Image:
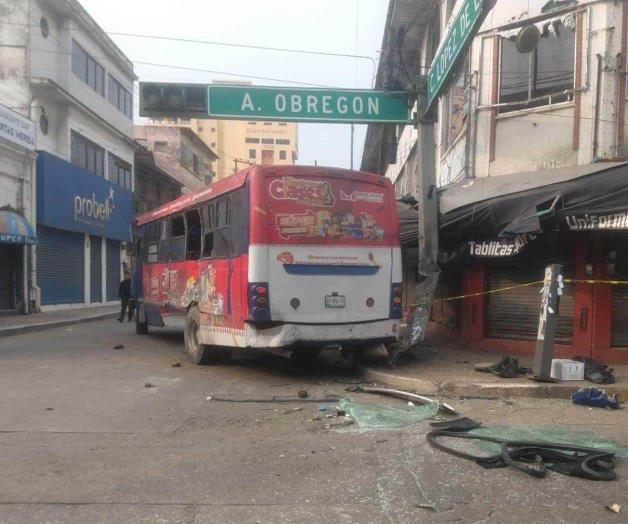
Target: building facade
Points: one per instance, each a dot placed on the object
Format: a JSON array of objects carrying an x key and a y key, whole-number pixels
[
  {"x": 530, "y": 157},
  {"x": 17, "y": 209},
  {"x": 181, "y": 152},
  {"x": 155, "y": 182},
  {"x": 68, "y": 76},
  {"x": 242, "y": 143}
]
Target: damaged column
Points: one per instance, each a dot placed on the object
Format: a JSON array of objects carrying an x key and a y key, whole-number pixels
[{"x": 428, "y": 220}]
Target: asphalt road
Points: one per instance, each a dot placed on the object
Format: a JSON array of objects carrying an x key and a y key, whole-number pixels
[{"x": 83, "y": 440}]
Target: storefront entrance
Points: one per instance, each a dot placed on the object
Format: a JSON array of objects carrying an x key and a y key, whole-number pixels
[{"x": 9, "y": 256}]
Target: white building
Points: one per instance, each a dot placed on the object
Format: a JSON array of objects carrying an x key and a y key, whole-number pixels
[{"x": 61, "y": 70}]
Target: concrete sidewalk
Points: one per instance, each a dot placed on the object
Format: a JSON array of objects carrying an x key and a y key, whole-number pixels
[
  {"x": 15, "y": 324},
  {"x": 448, "y": 371}
]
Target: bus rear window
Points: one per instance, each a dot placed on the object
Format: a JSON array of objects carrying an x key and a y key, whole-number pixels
[{"x": 323, "y": 210}]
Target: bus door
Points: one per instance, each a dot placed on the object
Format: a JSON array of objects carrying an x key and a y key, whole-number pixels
[{"x": 224, "y": 271}]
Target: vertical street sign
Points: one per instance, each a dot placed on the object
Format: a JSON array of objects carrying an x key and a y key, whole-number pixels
[
  {"x": 307, "y": 104},
  {"x": 452, "y": 45}
]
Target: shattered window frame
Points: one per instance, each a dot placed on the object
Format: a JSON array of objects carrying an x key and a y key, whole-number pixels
[{"x": 544, "y": 85}]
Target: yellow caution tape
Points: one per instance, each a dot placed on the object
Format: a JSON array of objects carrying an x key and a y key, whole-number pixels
[
  {"x": 527, "y": 284},
  {"x": 609, "y": 282}
]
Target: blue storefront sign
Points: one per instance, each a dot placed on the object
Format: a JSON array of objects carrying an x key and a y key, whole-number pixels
[{"x": 73, "y": 199}]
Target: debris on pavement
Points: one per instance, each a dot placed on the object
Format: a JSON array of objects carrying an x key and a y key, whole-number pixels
[
  {"x": 176, "y": 364},
  {"x": 149, "y": 385},
  {"x": 459, "y": 424},
  {"x": 562, "y": 435},
  {"x": 303, "y": 393},
  {"x": 50, "y": 409},
  {"x": 119, "y": 346},
  {"x": 615, "y": 508},
  {"x": 291, "y": 410},
  {"x": 376, "y": 416},
  {"x": 272, "y": 400},
  {"x": 594, "y": 397},
  {"x": 596, "y": 371},
  {"x": 508, "y": 367},
  {"x": 405, "y": 396},
  {"x": 533, "y": 458}
]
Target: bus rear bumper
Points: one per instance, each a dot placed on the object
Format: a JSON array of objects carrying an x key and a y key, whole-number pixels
[{"x": 287, "y": 335}]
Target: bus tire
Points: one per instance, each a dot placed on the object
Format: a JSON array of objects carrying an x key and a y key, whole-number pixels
[
  {"x": 141, "y": 328},
  {"x": 201, "y": 354}
]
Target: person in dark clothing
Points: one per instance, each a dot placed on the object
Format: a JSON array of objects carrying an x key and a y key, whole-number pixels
[{"x": 126, "y": 298}]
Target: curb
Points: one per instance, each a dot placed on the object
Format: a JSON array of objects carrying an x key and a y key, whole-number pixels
[
  {"x": 16, "y": 330},
  {"x": 499, "y": 390}
]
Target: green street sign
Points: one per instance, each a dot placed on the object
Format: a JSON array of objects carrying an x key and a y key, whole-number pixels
[
  {"x": 452, "y": 46},
  {"x": 342, "y": 106}
]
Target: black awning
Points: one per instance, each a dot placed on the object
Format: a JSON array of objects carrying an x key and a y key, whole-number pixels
[{"x": 594, "y": 197}]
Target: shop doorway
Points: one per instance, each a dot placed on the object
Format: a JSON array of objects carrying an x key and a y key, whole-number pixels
[{"x": 8, "y": 275}]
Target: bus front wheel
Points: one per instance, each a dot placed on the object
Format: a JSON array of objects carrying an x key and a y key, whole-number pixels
[{"x": 200, "y": 353}]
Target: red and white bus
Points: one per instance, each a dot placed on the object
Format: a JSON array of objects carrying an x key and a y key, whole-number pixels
[{"x": 282, "y": 258}]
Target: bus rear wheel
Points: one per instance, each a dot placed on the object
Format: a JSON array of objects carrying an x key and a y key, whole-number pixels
[{"x": 198, "y": 353}]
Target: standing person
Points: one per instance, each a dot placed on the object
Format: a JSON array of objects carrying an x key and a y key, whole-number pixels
[{"x": 126, "y": 298}]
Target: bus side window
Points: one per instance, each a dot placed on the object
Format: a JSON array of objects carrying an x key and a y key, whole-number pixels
[
  {"x": 161, "y": 238},
  {"x": 176, "y": 240},
  {"x": 208, "y": 233},
  {"x": 222, "y": 240},
  {"x": 193, "y": 235},
  {"x": 237, "y": 223}
]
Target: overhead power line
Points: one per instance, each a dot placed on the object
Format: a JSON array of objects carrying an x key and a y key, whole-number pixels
[
  {"x": 245, "y": 46},
  {"x": 199, "y": 70}
]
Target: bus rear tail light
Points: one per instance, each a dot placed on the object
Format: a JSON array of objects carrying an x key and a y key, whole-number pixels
[
  {"x": 259, "y": 302},
  {"x": 395, "y": 301}
]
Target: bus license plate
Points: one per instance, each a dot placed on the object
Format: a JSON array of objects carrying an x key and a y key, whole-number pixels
[{"x": 335, "y": 301}]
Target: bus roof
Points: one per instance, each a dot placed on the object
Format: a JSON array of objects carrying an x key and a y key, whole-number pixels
[
  {"x": 191, "y": 199},
  {"x": 236, "y": 181}
]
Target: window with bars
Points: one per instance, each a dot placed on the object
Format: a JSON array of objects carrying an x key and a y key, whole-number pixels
[{"x": 542, "y": 77}]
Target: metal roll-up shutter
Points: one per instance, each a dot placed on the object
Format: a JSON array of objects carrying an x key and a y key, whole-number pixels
[
  {"x": 619, "y": 316},
  {"x": 95, "y": 276},
  {"x": 113, "y": 269},
  {"x": 514, "y": 314},
  {"x": 60, "y": 266}
]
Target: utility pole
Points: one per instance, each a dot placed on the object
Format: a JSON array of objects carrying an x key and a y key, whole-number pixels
[{"x": 427, "y": 199}]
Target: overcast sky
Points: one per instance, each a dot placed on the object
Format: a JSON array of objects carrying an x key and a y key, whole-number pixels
[{"x": 320, "y": 25}]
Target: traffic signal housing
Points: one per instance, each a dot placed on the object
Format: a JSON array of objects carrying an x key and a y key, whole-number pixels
[{"x": 173, "y": 100}]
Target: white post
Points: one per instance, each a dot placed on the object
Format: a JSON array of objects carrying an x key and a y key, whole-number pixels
[
  {"x": 103, "y": 268},
  {"x": 87, "y": 265}
]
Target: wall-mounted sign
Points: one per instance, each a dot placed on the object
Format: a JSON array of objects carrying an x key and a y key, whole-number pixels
[
  {"x": 307, "y": 104},
  {"x": 452, "y": 45},
  {"x": 591, "y": 221},
  {"x": 73, "y": 199},
  {"x": 505, "y": 247},
  {"x": 17, "y": 129}
]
